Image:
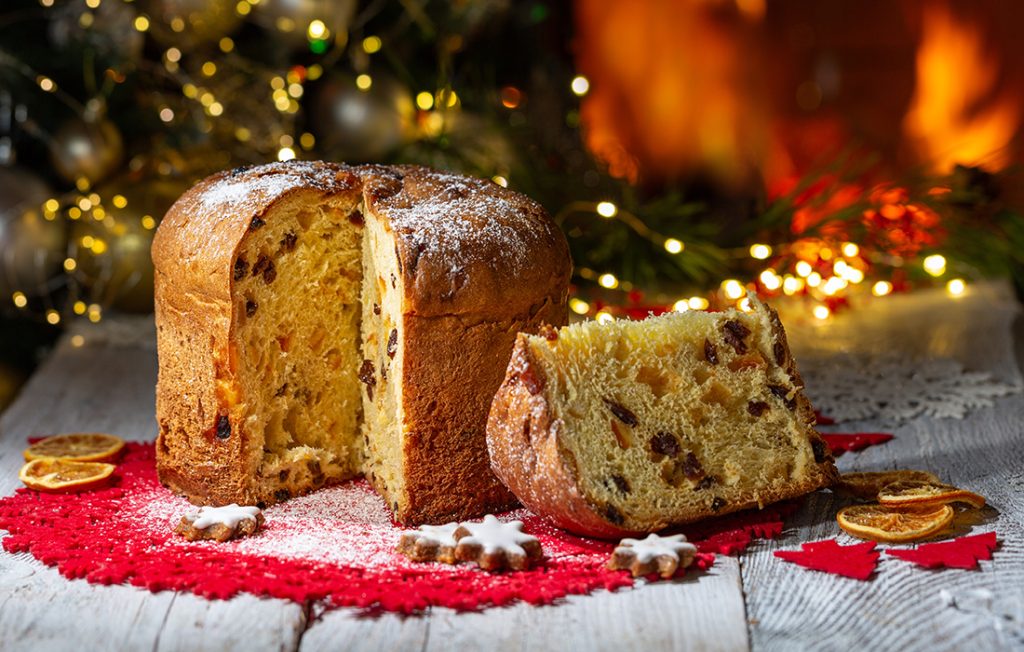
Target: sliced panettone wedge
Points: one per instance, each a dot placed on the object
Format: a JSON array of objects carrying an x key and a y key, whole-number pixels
[{"x": 634, "y": 426}]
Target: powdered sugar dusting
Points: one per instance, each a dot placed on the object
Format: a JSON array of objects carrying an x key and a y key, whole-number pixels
[
  {"x": 244, "y": 189},
  {"x": 461, "y": 218}
]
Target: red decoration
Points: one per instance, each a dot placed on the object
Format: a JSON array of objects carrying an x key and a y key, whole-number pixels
[
  {"x": 963, "y": 552},
  {"x": 853, "y": 441},
  {"x": 336, "y": 545},
  {"x": 823, "y": 420},
  {"x": 857, "y": 561}
]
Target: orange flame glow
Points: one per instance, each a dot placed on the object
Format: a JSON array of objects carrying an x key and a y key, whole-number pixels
[{"x": 957, "y": 114}]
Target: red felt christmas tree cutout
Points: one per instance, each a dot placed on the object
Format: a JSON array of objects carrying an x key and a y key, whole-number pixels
[
  {"x": 842, "y": 442},
  {"x": 857, "y": 561},
  {"x": 963, "y": 552}
]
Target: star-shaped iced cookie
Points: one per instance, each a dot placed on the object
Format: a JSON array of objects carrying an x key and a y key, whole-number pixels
[
  {"x": 430, "y": 543},
  {"x": 494, "y": 545},
  {"x": 655, "y": 554},
  {"x": 220, "y": 523}
]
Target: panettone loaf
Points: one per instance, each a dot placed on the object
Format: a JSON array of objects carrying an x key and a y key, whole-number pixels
[
  {"x": 316, "y": 320},
  {"x": 628, "y": 427}
]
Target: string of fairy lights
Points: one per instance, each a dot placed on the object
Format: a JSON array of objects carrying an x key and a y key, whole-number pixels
[{"x": 819, "y": 274}]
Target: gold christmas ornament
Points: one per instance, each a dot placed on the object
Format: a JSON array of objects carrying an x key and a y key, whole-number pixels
[
  {"x": 363, "y": 118},
  {"x": 301, "y": 22},
  {"x": 32, "y": 247},
  {"x": 89, "y": 149},
  {"x": 113, "y": 265},
  {"x": 191, "y": 22}
]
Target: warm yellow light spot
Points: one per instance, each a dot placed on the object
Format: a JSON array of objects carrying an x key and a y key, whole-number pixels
[
  {"x": 173, "y": 54},
  {"x": 189, "y": 90},
  {"x": 881, "y": 288},
  {"x": 313, "y": 72},
  {"x": 760, "y": 251},
  {"x": 295, "y": 90},
  {"x": 607, "y": 209},
  {"x": 956, "y": 286},
  {"x": 226, "y": 44},
  {"x": 363, "y": 82},
  {"x": 79, "y": 307},
  {"x": 840, "y": 268},
  {"x": 425, "y": 100},
  {"x": 95, "y": 314},
  {"x": 770, "y": 280},
  {"x": 500, "y": 180},
  {"x": 822, "y": 312},
  {"x": 935, "y": 264},
  {"x": 733, "y": 288},
  {"x": 84, "y": 203},
  {"x": 70, "y": 264},
  {"x": 209, "y": 69},
  {"x": 580, "y": 85},
  {"x": 579, "y": 306},
  {"x": 82, "y": 183},
  {"x": 19, "y": 299},
  {"x": 77, "y": 341},
  {"x": 242, "y": 134},
  {"x": 52, "y": 317},
  {"x": 98, "y": 213},
  {"x": 371, "y": 44},
  {"x": 166, "y": 114},
  {"x": 47, "y": 84},
  {"x": 286, "y": 140},
  {"x": 285, "y": 154},
  {"x": 674, "y": 246},
  {"x": 98, "y": 247},
  {"x": 825, "y": 253},
  {"x": 791, "y": 285},
  {"x": 92, "y": 4},
  {"x": 854, "y": 275},
  {"x": 833, "y": 285},
  {"x": 277, "y": 83},
  {"x": 604, "y": 317},
  {"x": 74, "y": 212},
  {"x": 850, "y": 249},
  {"x": 215, "y": 109},
  {"x": 86, "y": 19},
  {"x": 316, "y": 30},
  {"x": 803, "y": 268},
  {"x": 141, "y": 23},
  {"x": 681, "y": 306},
  {"x": 814, "y": 279},
  {"x": 608, "y": 281},
  {"x": 46, "y": 3},
  {"x": 51, "y": 205},
  {"x": 207, "y": 98},
  {"x": 243, "y": 8},
  {"x": 148, "y": 222},
  {"x": 698, "y": 303},
  {"x": 745, "y": 305},
  {"x": 178, "y": 24}
]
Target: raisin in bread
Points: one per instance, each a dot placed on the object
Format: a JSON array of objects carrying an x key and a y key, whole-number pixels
[
  {"x": 317, "y": 321},
  {"x": 628, "y": 427}
]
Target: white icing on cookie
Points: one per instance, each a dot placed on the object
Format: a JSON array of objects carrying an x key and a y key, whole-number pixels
[
  {"x": 496, "y": 536},
  {"x": 229, "y": 515},
  {"x": 654, "y": 546},
  {"x": 442, "y": 535}
]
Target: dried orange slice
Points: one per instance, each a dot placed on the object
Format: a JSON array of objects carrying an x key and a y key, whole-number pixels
[
  {"x": 58, "y": 476},
  {"x": 894, "y": 525},
  {"x": 917, "y": 493},
  {"x": 867, "y": 484},
  {"x": 80, "y": 447}
]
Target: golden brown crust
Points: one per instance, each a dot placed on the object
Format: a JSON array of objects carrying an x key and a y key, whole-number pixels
[
  {"x": 451, "y": 371},
  {"x": 467, "y": 246},
  {"x": 197, "y": 392},
  {"x": 523, "y": 441}
]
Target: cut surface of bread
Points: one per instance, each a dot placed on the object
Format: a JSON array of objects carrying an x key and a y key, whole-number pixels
[
  {"x": 316, "y": 321},
  {"x": 633, "y": 426}
]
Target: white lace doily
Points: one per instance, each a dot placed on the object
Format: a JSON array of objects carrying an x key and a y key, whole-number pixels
[{"x": 894, "y": 388}]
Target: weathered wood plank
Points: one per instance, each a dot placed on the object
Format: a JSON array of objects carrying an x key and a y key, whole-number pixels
[{"x": 901, "y": 608}]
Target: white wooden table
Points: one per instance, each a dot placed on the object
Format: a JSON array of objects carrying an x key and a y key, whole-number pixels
[{"x": 751, "y": 601}]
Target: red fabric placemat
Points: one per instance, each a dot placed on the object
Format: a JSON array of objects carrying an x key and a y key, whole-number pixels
[{"x": 335, "y": 545}]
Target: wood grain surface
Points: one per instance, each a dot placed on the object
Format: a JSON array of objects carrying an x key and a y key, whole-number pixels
[{"x": 753, "y": 601}]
